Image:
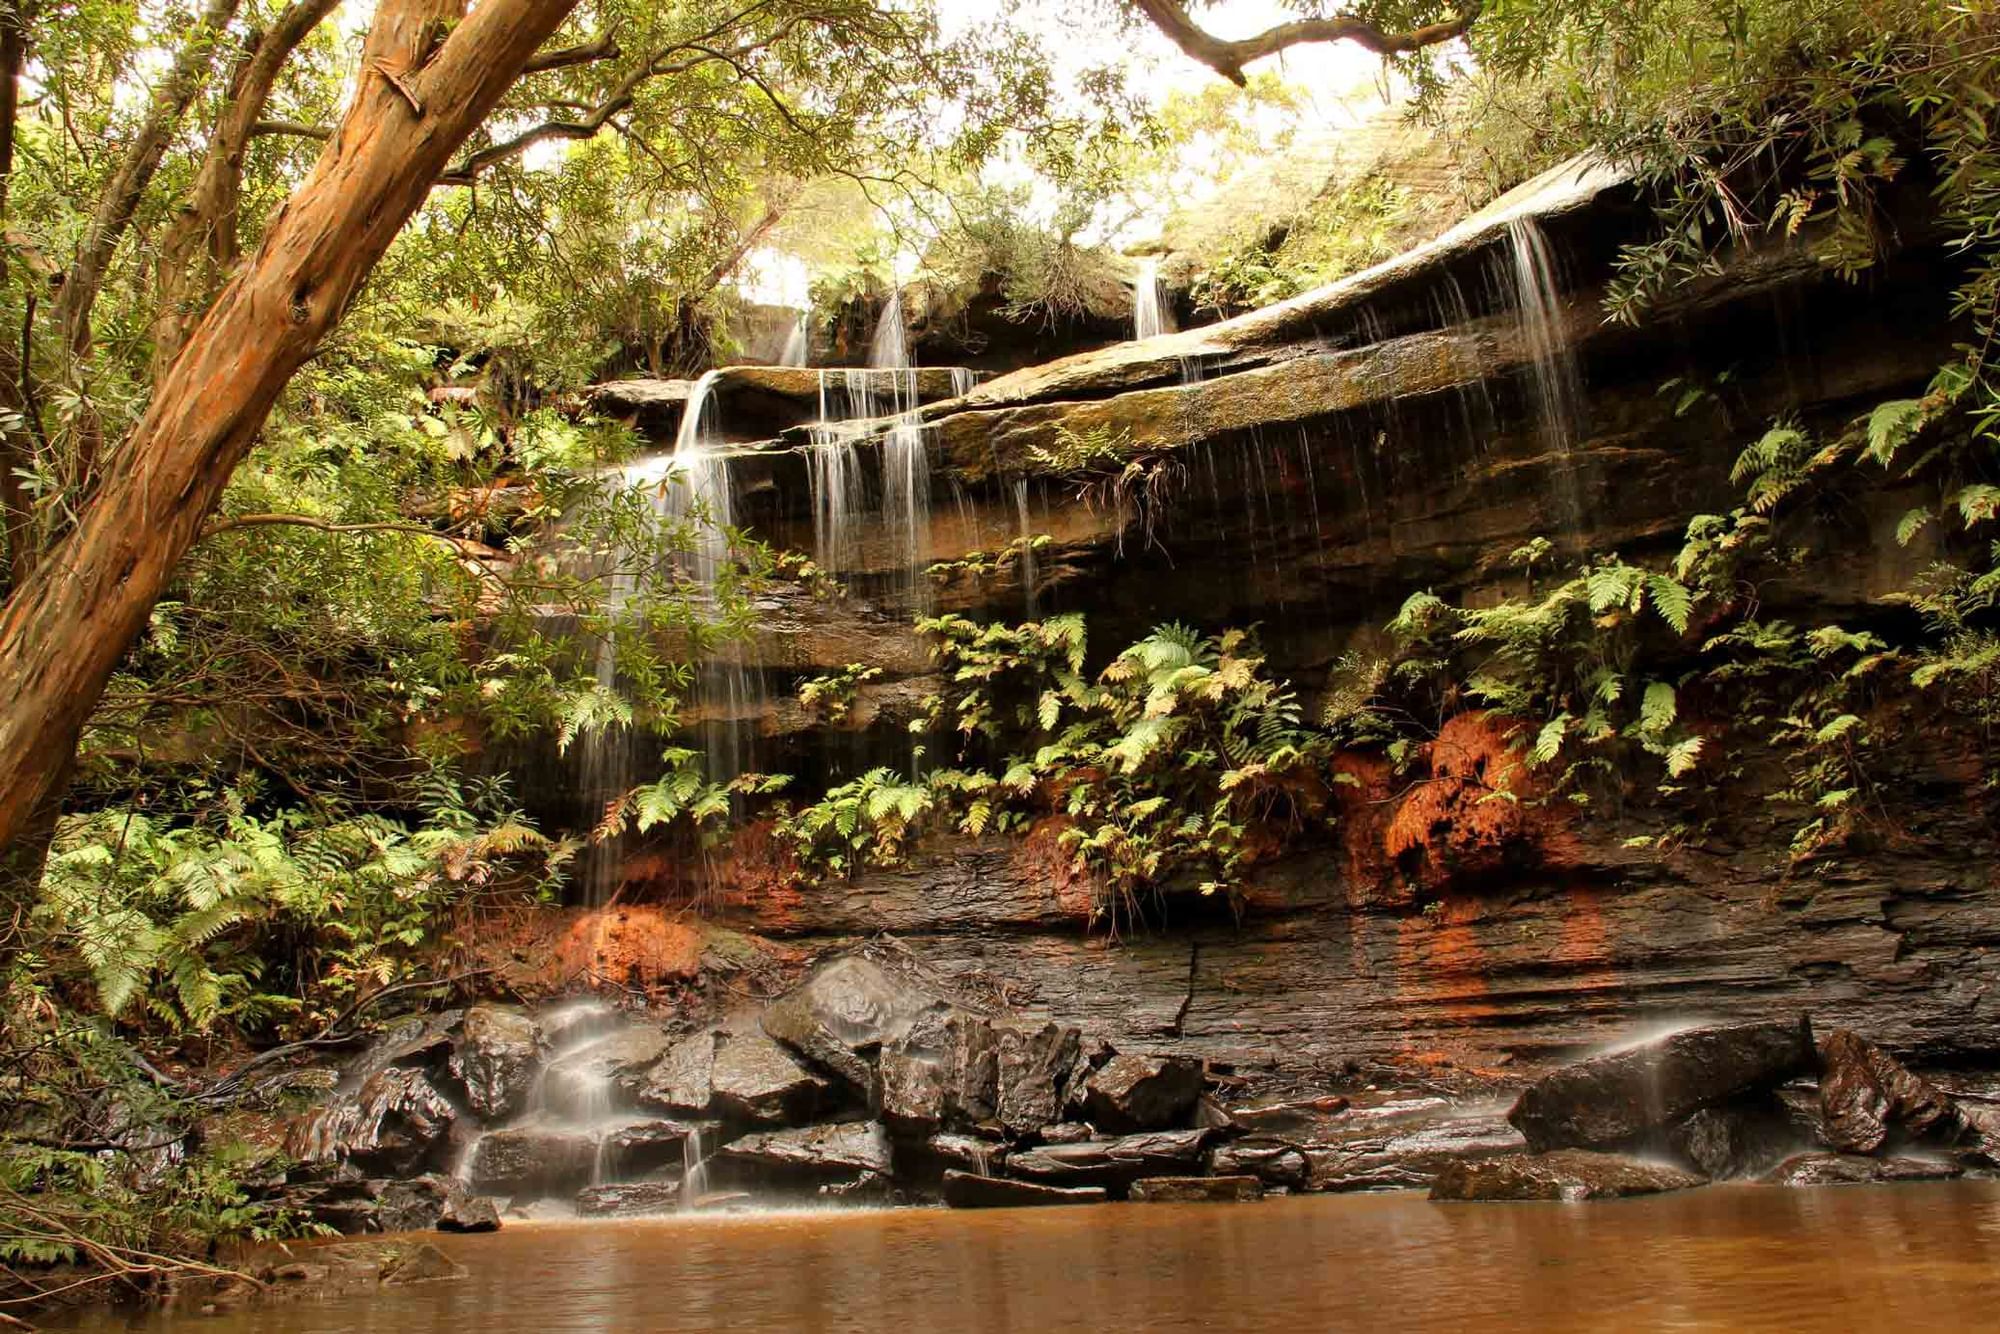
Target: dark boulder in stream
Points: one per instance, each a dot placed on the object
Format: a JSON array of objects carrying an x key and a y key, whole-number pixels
[
  {"x": 520, "y": 1159},
  {"x": 1142, "y": 1092},
  {"x": 1853, "y": 1169},
  {"x": 1565, "y": 1174},
  {"x": 1743, "y": 1137},
  {"x": 496, "y": 1057},
  {"x": 966, "y": 1190},
  {"x": 1112, "y": 1162},
  {"x": 844, "y": 1150},
  {"x": 1619, "y": 1098},
  {"x": 1870, "y": 1101},
  {"x": 846, "y": 1012},
  {"x": 1196, "y": 1190}
]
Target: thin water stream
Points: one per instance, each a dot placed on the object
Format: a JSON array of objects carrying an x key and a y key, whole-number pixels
[{"x": 1725, "y": 1258}]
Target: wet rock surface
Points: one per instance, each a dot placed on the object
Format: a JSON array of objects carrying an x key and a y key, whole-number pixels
[
  {"x": 628, "y": 1197},
  {"x": 1851, "y": 1169},
  {"x": 495, "y": 1059},
  {"x": 1563, "y": 1174},
  {"x": 964, "y": 1190},
  {"x": 1870, "y": 1101},
  {"x": 837, "y": 1150},
  {"x": 464, "y": 1212},
  {"x": 846, "y": 1012},
  {"x": 1743, "y": 1137},
  {"x": 1617, "y": 1098},
  {"x": 1197, "y": 1190},
  {"x": 1111, "y": 1162},
  {"x": 397, "y": 1121},
  {"x": 1141, "y": 1092},
  {"x": 524, "y": 1159}
]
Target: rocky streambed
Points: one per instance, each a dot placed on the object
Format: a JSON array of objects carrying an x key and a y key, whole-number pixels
[{"x": 874, "y": 1081}]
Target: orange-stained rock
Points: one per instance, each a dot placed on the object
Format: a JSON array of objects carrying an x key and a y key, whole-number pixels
[{"x": 629, "y": 946}]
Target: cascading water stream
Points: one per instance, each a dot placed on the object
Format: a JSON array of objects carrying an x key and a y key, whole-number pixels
[
  {"x": 906, "y": 465},
  {"x": 1151, "y": 316},
  {"x": 798, "y": 345},
  {"x": 1554, "y": 375}
]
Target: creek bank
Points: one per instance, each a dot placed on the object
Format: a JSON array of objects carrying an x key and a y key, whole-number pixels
[{"x": 873, "y": 1080}]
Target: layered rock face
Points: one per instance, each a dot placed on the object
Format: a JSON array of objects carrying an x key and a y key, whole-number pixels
[{"x": 1330, "y": 456}]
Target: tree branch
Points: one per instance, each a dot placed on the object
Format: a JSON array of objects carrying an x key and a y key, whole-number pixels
[
  {"x": 119, "y": 201},
  {"x": 1228, "y": 58},
  {"x": 604, "y": 47},
  {"x": 207, "y": 225},
  {"x": 465, "y": 546},
  {"x": 291, "y": 127}
]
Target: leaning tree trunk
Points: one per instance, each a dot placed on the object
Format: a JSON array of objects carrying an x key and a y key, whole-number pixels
[{"x": 424, "y": 85}]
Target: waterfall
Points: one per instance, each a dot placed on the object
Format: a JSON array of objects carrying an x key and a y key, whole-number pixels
[
  {"x": 694, "y": 1168},
  {"x": 798, "y": 345},
  {"x": 706, "y": 499},
  {"x": 906, "y": 465},
  {"x": 1556, "y": 379},
  {"x": 1030, "y": 575},
  {"x": 1151, "y": 316},
  {"x": 833, "y": 475},
  {"x": 1538, "y": 301}
]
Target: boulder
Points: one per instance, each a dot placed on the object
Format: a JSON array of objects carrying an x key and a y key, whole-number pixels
[
  {"x": 654, "y": 406},
  {"x": 1850, "y": 1169},
  {"x": 843, "y": 1150},
  {"x": 628, "y": 1197},
  {"x": 1275, "y": 1162},
  {"x": 396, "y": 1123},
  {"x": 943, "y": 1073},
  {"x": 1742, "y": 1137},
  {"x": 965, "y": 1190},
  {"x": 1142, "y": 1092},
  {"x": 1621, "y": 1097},
  {"x": 841, "y": 1016},
  {"x": 1032, "y": 1067},
  {"x": 1564, "y": 1174},
  {"x": 757, "y": 1081},
  {"x": 464, "y": 1212},
  {"x": 1196, "y": 1190},
  {"x": 912, "y": 1093},
  {"x": 1112, "y": 1162},
  {"x": 496, "y": 1056},
  {"x": 745, "y": 1078},
  {"x": 1869, "y": 1101},
  {"x": 352, "y": 1204},
  {"x": 682, "y": 1081},
  {"x": 523, "y": 1160},
  {"x": 421, "y": 1263},
  {"x": 638, "y": 1147}
]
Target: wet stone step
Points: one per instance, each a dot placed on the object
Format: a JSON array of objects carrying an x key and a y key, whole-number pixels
[{"x": 966, "y": 1190}]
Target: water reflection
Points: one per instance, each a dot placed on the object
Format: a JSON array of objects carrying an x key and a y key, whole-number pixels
[{"x": 1742, "y": 1258}]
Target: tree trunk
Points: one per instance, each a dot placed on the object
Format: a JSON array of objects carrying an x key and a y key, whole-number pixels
[{"x": 419, "y": 94}]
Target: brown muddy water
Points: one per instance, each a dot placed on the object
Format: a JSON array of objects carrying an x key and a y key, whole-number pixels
[{"x": 1916, "y": 1257}]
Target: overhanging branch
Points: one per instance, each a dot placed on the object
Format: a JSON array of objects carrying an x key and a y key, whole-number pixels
[{"x": 1228, "y": 58}]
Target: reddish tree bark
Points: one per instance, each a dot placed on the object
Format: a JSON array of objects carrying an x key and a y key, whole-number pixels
[{"x": 430, "y": 74}]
